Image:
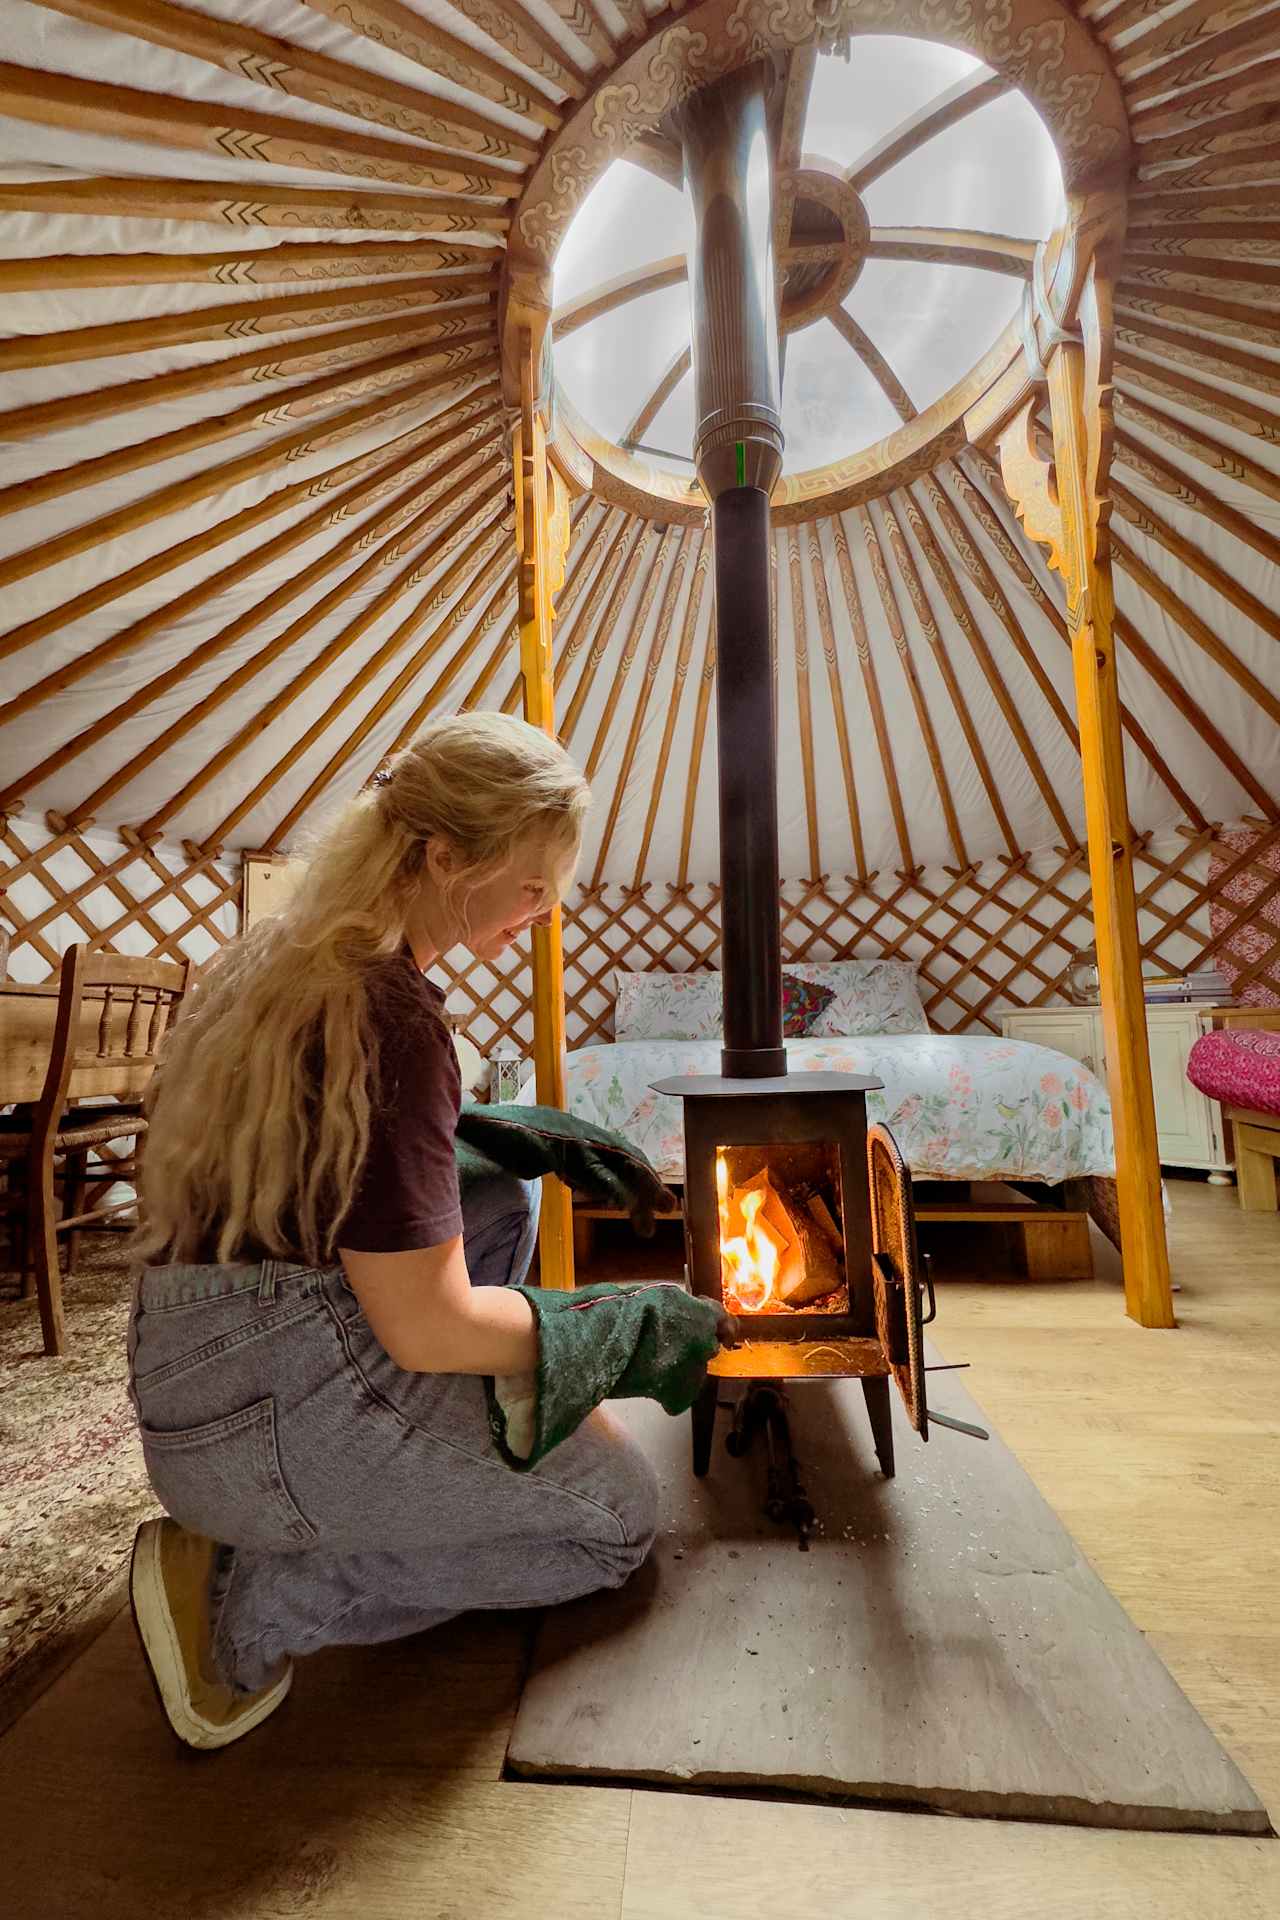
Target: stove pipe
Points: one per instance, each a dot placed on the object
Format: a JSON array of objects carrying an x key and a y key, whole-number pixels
[{"x": 737, "y": 446}]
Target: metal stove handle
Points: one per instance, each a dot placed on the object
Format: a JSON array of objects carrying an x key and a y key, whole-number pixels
[
  {"x": 957, "y": 1426},
  {"x": 926, "y": 1261}
]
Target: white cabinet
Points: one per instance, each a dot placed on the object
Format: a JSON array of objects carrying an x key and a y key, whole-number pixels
[
  {"x": 1075, "y": 1031},
  {"x": 1189, "y": 1126}
]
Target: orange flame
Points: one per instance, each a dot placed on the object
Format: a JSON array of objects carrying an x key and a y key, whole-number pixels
[{"x": 749, "y": 1260}]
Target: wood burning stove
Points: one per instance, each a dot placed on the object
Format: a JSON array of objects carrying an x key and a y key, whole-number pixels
[
  {"x": 798, "y": 1219},
  {"x": 794, "y": 1217}
]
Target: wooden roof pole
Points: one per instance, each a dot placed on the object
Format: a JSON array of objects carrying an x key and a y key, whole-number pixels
[
  {"x": 340, "y": 760},
  {"x": 871, "y": 686},
  {"x": 338, "y": 370},
  {"x": 129, "y": 113},
  {"x": 586, "y": 623},
  {"x": 542, "y": 541},
  {"x": 818, "y": 574},
  {"x": 476, "y": 495},
  {"x": 902, "y": 646},
  {"x": 1196, "y": 629},
  {"x": 476, "y": 551},
  {"x": 202, "y": 433},
  {"x": 285, "y": 67},
  {"x": 657, "y": 647},
  {"x": 705, "y": 684},
  {"x": 604, "y": 631},
  {"x": 224, "y": 203},
  {"x": 390, "y": 22},
  {"x": 1145, "y": 518},
  {"x": 499, "y": 607},
  {"x": 1071, "y": 519},
  {"x": 804, "y": 704},
  {"x": 701, "y": 568},
  {"x": 575, "y": 579},
  {"x": 1171, "y": 480},
  {"x": 508, "y": 638},
  {"x": 167, "y": 559},
  {"x": 171, "y": 499},
  {"x": 626, "y": 659},
  {"x": 302, "y": 261},
  {"x": 1201, "y": 446},
  {"x": 1016, "y": 560},
  {"x": 457, "y": 293},
  {"x": 928, "y": 626},
  {"x": 128, "y": 639},
  {"x": 1241, "y": 411}
]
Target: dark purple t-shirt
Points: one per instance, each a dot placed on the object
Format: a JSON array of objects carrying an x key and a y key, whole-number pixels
[{"x": 407, "y": 1195}]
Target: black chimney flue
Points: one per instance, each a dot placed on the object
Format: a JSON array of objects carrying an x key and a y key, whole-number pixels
[
  {"x": 737, "y": 445},
  {"x": 748, "y": 753}
]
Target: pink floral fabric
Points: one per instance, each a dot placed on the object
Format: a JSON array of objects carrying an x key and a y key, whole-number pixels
[
  {"x": 1246, "y": 945},
  {"x": 1241, "y": 1068}
]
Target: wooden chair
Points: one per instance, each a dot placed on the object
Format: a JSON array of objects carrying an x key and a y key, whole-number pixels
[{"x": 113, "y": 1014}]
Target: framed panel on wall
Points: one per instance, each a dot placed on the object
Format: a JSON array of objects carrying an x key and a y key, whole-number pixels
[{"x": 268, "y": 882}]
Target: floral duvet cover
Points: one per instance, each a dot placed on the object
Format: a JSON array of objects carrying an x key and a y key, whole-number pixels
[{"x": 961, "y": 1106}]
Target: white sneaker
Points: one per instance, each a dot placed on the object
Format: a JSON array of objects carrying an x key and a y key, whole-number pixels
[{"x": 169, "y": 1578}]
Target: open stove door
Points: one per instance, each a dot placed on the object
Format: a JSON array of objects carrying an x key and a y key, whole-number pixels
[{"x": 896, "y": 1273}]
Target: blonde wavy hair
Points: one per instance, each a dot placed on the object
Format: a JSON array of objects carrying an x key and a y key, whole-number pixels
[{"x": 246, "y": 1156}]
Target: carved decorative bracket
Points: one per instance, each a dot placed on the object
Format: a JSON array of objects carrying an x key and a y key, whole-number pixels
[{"x": 1031, "y": 483}]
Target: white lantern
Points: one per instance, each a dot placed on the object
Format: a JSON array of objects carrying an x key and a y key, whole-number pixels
[{"x": 504, "y": 1071}]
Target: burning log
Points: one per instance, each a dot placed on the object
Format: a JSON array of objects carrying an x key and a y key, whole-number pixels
[{"x": 772, "y": 1251}]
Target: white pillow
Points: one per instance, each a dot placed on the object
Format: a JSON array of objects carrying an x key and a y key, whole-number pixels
[
  {"x": 667, "y": 1006},
  {"x": 871, "y": 996}
]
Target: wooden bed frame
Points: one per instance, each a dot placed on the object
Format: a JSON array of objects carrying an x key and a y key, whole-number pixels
[{"x": 1257, "y": 1146}]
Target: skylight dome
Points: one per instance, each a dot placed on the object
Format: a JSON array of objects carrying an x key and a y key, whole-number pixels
[{"x": 918, "y": 189}]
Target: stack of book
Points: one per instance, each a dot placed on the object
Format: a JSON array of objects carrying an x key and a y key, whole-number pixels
[{"x": 1175, "y": 989}]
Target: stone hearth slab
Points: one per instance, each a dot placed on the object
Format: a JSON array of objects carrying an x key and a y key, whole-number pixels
[{"x": 943, "y": 1643}]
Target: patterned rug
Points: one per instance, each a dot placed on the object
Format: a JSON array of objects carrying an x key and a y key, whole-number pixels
[{"x": 74, "y": 1483}]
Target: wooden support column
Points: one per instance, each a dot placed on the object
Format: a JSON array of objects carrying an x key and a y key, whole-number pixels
[
  {"x": 1067, "y": 508},
  {"x": 542, "y": 541}
]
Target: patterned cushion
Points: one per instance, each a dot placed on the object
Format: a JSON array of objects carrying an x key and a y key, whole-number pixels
[
  {"x": 1240, "y": 1068},
  {"x": 868, "y": 996},
  {"x": 802, "y": 1002},
  {"x": 667, "y": 1006}
]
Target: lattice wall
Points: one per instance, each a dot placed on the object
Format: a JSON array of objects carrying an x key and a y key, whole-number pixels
[
  {"x": 124, "y": 896},
  {"x": 1000, "y": 934}
]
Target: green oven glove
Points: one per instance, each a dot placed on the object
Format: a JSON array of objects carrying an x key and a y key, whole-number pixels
[
  {"x": 604, "y": 1342},
  {"x": 530, "y": 1141}
]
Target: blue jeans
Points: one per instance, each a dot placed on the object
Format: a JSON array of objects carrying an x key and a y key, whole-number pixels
[{"x": 355, "y": 1502}]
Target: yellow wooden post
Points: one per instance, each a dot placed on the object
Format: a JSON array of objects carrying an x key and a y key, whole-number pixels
[
  {"x": 1068, "y": 509},
  {"x": 542, "y": 529}
]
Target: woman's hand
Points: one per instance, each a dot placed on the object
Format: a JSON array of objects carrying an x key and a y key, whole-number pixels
[{"x": 429, "y": 1318}]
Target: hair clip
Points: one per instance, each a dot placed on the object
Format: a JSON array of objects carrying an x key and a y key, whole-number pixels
[{"x": 382, "y": 778}]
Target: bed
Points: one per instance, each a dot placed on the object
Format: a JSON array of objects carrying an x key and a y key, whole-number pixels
[{"x": 963, "y": 1107}]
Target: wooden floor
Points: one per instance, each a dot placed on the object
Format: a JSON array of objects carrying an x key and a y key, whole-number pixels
[{"x": 377, "y": 1792}]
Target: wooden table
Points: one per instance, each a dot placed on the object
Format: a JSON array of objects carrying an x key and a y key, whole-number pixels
[{"x": 27, "y": 1017}]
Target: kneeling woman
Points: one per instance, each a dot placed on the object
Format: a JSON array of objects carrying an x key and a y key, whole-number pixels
[{"x": 309, "y": 1334}]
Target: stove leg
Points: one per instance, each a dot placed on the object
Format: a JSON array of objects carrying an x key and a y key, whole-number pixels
[
  {"x": 875, "y": 1391},
  {"x": 704, "y": 1426}
]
